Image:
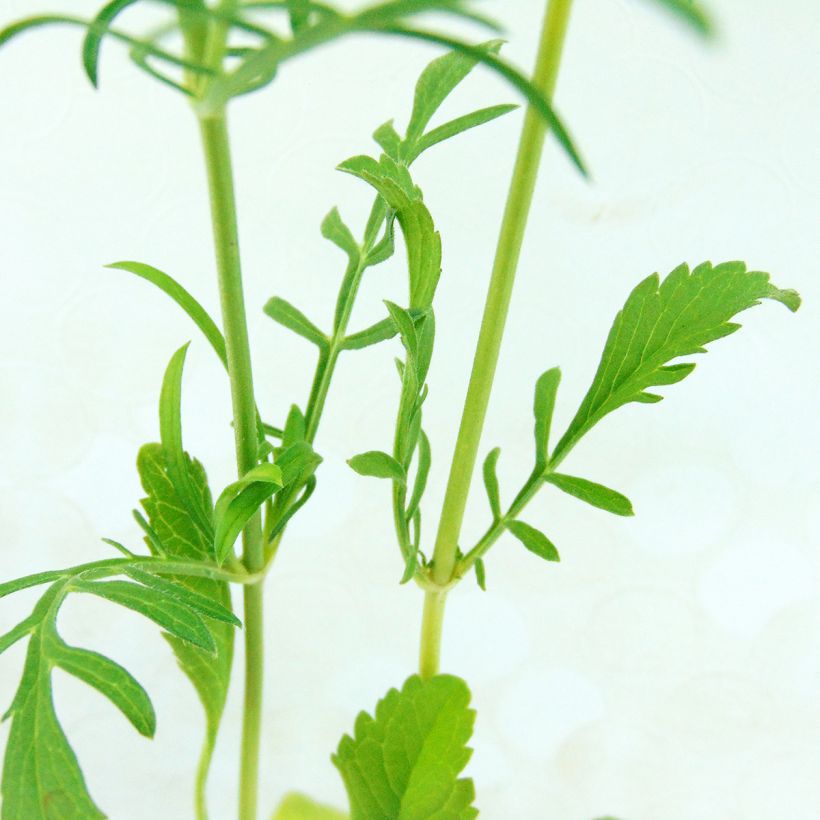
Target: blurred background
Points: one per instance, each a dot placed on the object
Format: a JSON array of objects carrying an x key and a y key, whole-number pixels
[{"x": 669, "y": 666}]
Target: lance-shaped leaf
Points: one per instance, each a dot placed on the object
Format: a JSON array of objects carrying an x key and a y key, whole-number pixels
[
  {"x": 546, "y": 389},
  {"x": 423, "y": 242},
  {"x": 491, "y": 482},
  {"x": 376, "y": 464},
  {"x": 295, "y": 427},
  {"x": 335, "y": 231},
  {"x": 179, "y": 536},
  {"x": 480, "y": 574},
  {"x": 293, "y": 319},
  {"x": 690, "y": 12},
  {"x": 661, "y": 321},
  {"x": 373, "y": 335},
  {"x": 534, "y": 540},
  {"x": 404, "y": 763},
  {"x": 422, "y": 474},
  {"x": 595, "y": 494},
  {"x": 240, "y": 501}
]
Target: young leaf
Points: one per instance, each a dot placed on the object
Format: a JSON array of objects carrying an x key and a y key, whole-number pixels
[
  {"x": 293, "y": 319},
  {"x": 111, "y": 680},
  {"x": 295, "y": 427},
  {"x": 491, "y": 482},
  {"x": 534, "y": 540},
  {"x": 455, "y": 127},
  {"x": 546, "y": 389},
  {"x": 405, "y": 325},
  {"x": 661, "y": 321},
  {"x": 480, "y": 574},
  {"x": 240, "y": 501},
  {"x": 405, "y": 762},
  {"x": 97, "y": 31},
  {"x": 184, "y": 299},
  {"x": 595, "y": 494},
  {"x": 437, "y": 82},
  {"x": 422, "y": 473},
  {"x": 298, "y": 807},
  {"x": 170, "y": 427},
  {"x": 423, "y": 242},
  {"x": 172, "y": 616},
  {"x": 690, "y": 12},
  {"x": 388, "y": 140},
  {"x": 376, "y": 464},
  {"x": 299, "y": 12},
  {"x": 380, "y": 332},
  {"x": 335, "y": 230}
]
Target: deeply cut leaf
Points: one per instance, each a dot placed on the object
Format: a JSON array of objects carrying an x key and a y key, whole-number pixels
[
  {"x": 404, "y": 764},
  {"x": 661, "y": 321}
]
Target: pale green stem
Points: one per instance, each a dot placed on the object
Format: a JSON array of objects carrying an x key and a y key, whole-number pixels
[
  {"x": 226, "y": 242},
  {"x": 513, "y": 227}
]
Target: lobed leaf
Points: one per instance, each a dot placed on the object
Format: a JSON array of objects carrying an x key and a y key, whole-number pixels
[
  {"x": 534, "y": 540},
  {"x": 404, "y": 763},
  {"x": 595, "y": 494},
  {"x": 662, "y": 321}
]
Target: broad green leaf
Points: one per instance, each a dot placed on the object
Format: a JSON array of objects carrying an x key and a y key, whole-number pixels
[
  {"x": 422, "y": 474},
  {"x": 690, "y": 12},
  {"x": 181, "y": 537},
  {"x": 423, "y": 242},
  {"x": 455, "y": 127},
  {"x": 491, "y": 482},
  {"x": 298, "y": 807},
  {"x": 170, "y": 427},
  {"x": 42, "y": 779},
  {"x": 111, "y": 680},
  {"x": 293, "y": 319},
  {"x": 662, "y": 321},
  {"x": 376, "y": 464},
  {"x": 240, "y": 501},
  {"x": 595, "y": 494},
  {"x": 168, "y": 613},
  {"x": 184, "y": 299},
  {"x": 405, "y": 763},
  {"x": 534, "y": 540},
  {"x": 480, "y": 574},
  {"x": 437, "y": 82},
  {"x": 380, "y": 332},
  {"x": 546, "y": 389}
]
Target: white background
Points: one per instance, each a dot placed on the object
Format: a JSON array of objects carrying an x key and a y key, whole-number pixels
[{"x": 669, "y": 667}]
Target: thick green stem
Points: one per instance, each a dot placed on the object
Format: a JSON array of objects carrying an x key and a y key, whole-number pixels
[
  {"x": 431, "y": 627},
  {"x": 508, "y": 252},
  {"x": 226, "y": 242}
]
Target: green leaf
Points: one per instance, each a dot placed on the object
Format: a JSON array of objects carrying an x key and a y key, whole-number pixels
[
  {"x": 170, "y": 427},
  {"x": 534, "y": 540},
  {"x": 42, "y": 779},
  {"x": 293, "y": 319},
  {"x": 691, "y": 13},
  {"x": 299, "y": 12},
  {"x": 389, "y": 140},
  {"x": 422, "y": 474},
  {"x": 295, "y": 427},
  {"x": 546, "y": 389},
  {"x": 183, "y": 298},
  {"x": 171, "y": 615},
  {"x": 179, "y": 536},
  {"x": 373, "y": 335},
  {"x": 595, "y": 494},
  {"x": 240, "y": 501},
  {"x": 480, "y": 574},
  {"x": 335, "y": 230},
  {"x": 491, "y": 482},
  {"x": 404, "y": 764},
  {"x": 423, "y": 242},
  {"x": 298, "y": 807},
  {"x": 17, "y": 633},
  {"x": 661, "y": 321},
  {"x": 406, "y": 327},
  {"x": 96, "y": 32},
  {"x": 376, "y": 464},
  {"x": 28, "y": 581},
  {"x": 111, "y": 680},
  {"x": 437, "y": 82}
]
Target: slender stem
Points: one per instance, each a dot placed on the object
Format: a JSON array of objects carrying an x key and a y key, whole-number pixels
[
  {"x": 508, "y": 252},
  {"x": 226, "y": 242},
  {"x": 431, "y": 628}
]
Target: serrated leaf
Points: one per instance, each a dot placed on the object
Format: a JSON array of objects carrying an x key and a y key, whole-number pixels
[
  {"x": 534, "y": 540},
  {"x": 595, "y": 494},
  {"x": 376, "y": 464},
  {"x": 455, "y": 127},
  {"x": 239, "y": 502},
  {"x": 437, "y": 82},
  {"x": 661, "y": 321},
  {"x": 298, "y": 807},
  {"x": 111, "y": 680},
  {"x": 293, "y": 319},
  {"x": 171, "y": 615},
  {"x": 183, "y": 298},
  {"x": 404, "y": 764},
  {"x": 491, "y": 482},
  {"x": 423, "y": 242},
  {"x": 170, "y": 427},
  {"x": 546, "y": 389}
]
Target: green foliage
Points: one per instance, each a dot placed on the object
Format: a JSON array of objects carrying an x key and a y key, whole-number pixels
[
  {"x": 404, "y": 763},
  {"x": 298, "y": 807},
  {"x": 378, "y": 465},
  {"x": 691, "y": 13},
  {"x": 534, "y": 540},
  {"x": 293, "y": 319},
  {"x": 546, "y": 389},
  {"x": 595, "y": 494},
  {"x": 491, "y": 482}
]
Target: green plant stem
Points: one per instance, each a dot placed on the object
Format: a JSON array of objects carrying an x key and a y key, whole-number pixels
[
  {"x": 496, "y": 308},
  {"x": 431, "y": 630},
  {"x": 226, "y": 242}
]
